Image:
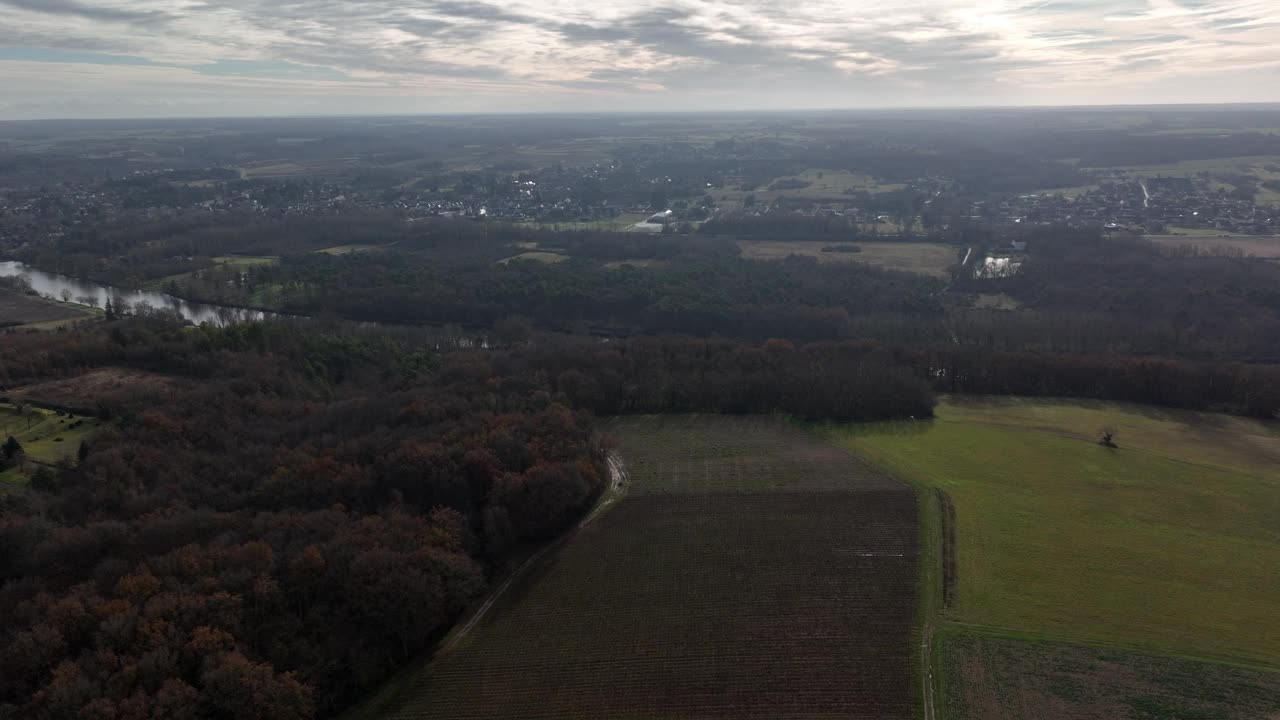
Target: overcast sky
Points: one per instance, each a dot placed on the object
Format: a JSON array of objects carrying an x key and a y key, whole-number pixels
[{"x": 146, "y": 58}]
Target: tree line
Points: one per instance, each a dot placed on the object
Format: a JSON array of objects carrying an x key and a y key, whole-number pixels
[{"x": 305, "y": 508}]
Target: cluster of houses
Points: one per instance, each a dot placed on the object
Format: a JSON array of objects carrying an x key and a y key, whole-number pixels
[{"x": 1153, "y": 205}]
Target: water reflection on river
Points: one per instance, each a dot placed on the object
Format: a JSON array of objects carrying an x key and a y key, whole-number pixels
[{"x": 83, "y": 292}]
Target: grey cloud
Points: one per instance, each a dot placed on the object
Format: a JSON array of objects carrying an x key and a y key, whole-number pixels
[
  {"x": 739, "y": 48},
  {"x": 101, "y": 14},
  {"x": 478, "y": 11}
]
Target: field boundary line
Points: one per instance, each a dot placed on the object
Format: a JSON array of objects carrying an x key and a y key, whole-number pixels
[
  {"x": 929, "y": 558},
  {"x": 619, "y": 483},
  {"x": 1009, "y": 633}
]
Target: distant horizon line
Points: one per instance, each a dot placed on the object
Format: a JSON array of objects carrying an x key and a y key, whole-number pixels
[{"x": 1262, "y": 104}]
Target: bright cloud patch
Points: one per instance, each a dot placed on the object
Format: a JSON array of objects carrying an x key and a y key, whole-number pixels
[{"x": 255, "y": 57}]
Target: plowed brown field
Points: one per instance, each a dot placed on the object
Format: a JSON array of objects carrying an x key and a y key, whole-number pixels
[{"x": 752, "y": 572}]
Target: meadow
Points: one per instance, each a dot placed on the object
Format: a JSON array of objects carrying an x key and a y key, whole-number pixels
[
  {"x": 36, "y": 313},
  {"x": 932, "y": 259},
  {"x": 245, "y": 261},
  {"x": 536, "y": 256},
  {"x": 827, "y": 184},
  {"x": 47, "y": 437},
  {"x": 824, "y": 185},
  {"x": 622, "y": 223},
  {"x": 1262, "y": 246},
  {"x": 752, "y": 571},
  {"x": 1060, "y": 536},
  {"x": 1004, "y": 678},
  {"x": 353, "y": 248},
  {"x": 1165, "y": 546},
  {"x": 1257, "y": 165}
]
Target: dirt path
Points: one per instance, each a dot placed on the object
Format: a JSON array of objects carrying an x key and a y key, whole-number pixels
[
  {"x": 618, "y": 485},
  {"x": 926, "y": 677}
]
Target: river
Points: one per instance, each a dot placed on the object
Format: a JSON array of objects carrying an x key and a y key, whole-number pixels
[{"x": 83, "y": 292}]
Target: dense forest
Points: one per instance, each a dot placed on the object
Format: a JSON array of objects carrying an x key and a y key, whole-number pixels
[
  {"x": 798, "y": 298},
  {"x": 1078, "y": 289},
  {"x": 312, "y": 508},
  {"x": 276, "y": 516},
  {"x": 276, "y": 538}
]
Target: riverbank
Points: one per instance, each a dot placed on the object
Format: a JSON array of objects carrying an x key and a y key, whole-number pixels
[
  {"x": 93, "y": 295},
  {"x": 19, "y": 311}
]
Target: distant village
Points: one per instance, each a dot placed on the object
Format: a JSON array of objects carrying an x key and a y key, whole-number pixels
[
  {"x": 1156, "y": 205},
  {"x": 590, "y": 195}
]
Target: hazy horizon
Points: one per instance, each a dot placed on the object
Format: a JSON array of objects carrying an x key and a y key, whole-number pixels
[
  {"x": 675, "y": 112},
  {"x": 140, "y": 59}
]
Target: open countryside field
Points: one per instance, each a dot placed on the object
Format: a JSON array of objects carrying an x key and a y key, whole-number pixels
[
  {"x": 536, "y": 256},
  {"x": 244, "y": 261},
  {"x": 1168, "y": 544},
  {"x": 621, "y": 223},
  {"x": 735, "y": 454},
  {"x": 924, "y": 258},
  {"x": 20, "y": 310},
  {"x": 824, "y": 185},
  {"x": 46, "y": 436},
  {"x": 1257, "y": 165},
  {"x": 1071, "y": 192},
  {"x": 1263, "y": 246},
  {"x": 354, "y": 248},
  {"x": 998, "y": 678},
  {"x": 752, "y": 571}
]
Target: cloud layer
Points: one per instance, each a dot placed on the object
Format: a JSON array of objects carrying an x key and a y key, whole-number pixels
[{"x": 193, "y": 57}]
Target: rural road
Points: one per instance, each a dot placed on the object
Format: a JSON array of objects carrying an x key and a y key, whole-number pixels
[{"x": 926, "y": 677}]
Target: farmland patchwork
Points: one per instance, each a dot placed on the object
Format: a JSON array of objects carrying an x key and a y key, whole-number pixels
[{"x": 751, "y": 572}]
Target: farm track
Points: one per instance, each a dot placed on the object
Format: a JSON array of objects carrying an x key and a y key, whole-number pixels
[
  {"x": 751, "y": 571},
  {"x": 617, "y": 488}
]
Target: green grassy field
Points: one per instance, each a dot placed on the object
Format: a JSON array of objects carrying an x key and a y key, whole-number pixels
[
  {"x": 285, "y": 169},
  {"x": 1249, "y": 165},
  {"x": 354, "y": 248},
  {"x": 234, "y": 261},
  {"x": 830, "y": 184},
  {"x": 618, "y": 224},
  {"x": 1071, "y": 192},
  {"x": 1000, "y": 678},
  {"x": 245, "y": 260},
  {"x": 751, "y": 571},
  {"x": 924, "y": 258},
  {"x": 1168, "y": 544},
  {"x": 536, "y": 256},
  {"x": 37, "y": 313},
  {"x": 824, "y": 185},
  {"x": 46, "y": 437}
]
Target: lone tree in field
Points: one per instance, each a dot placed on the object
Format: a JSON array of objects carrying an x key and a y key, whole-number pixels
[
  {"x": 12, "y": 448},
  {"x": 25, "y": 411},
  {"x": 1108, "y": 438}
]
